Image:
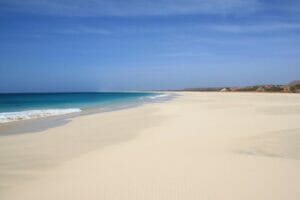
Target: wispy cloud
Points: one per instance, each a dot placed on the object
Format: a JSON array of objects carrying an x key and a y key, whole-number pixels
[
  {"x": 185, "y": 54},
  {"x": 255, "y": 28},
  {"x": 84, "y": 30},
  {"x": 192, "y": 29},
  {"x": 129, "y": 8}
]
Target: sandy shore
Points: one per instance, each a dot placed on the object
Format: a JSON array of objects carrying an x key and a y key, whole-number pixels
[{"x": 197, "y": 146}]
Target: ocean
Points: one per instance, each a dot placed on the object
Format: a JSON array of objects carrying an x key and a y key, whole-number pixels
[{"x": 16, "y": 107}]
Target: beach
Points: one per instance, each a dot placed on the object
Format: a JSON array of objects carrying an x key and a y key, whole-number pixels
[{"x": 199, "y": 145}]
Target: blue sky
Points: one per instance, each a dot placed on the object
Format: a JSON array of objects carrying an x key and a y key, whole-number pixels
[{"x": 101, "y": 45}]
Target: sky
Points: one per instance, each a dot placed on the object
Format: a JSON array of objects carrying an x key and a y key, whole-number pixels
[{"x": 120, "y": 45}]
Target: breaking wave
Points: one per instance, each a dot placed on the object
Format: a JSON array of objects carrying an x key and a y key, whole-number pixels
[{"x": 6, "y": 117}]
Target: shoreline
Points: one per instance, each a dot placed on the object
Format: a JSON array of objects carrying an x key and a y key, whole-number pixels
[
  {"x": 19, "y": 107},
  {"x": 195, "y": 146},
  {"x": 44, "y": 123}
]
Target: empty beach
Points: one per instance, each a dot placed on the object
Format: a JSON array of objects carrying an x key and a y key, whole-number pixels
[{"x": 199, "y": 145}]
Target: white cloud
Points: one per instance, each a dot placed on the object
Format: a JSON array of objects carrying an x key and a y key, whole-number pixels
[{"x": 130, "y": 7}]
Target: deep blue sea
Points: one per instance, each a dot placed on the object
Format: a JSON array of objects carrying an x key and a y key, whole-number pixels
[{"x": 15, "y": 107}]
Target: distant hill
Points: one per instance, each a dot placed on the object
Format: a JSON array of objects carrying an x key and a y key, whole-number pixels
[
  {"x": 212, "y": 89},
  {"x": 293, "y": 87},
  {"x": 294, "y": 83}
]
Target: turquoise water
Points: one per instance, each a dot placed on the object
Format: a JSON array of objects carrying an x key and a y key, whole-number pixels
[{"x": 14, "y": 107}]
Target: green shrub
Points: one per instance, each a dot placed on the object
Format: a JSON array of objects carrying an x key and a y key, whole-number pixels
[{"x": 274, "y": 89}]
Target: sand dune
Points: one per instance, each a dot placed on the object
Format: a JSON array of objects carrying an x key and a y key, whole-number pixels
[{"x": 197, "y": 146}]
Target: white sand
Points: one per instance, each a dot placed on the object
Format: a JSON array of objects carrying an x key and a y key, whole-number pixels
[{"x": 198, "y": 146}]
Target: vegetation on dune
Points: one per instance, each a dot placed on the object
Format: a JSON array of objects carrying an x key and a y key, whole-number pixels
[
  {"x": 293, "y": 87},
  {"x": 248, "y": 89},
  {"x": 274, "y": 88}
]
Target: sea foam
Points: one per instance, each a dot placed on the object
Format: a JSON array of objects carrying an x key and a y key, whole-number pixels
[
  {"x": 34, "y": 114},
  {"x": 156, "y": 96},
  {"x": 159, "y": 96}
]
